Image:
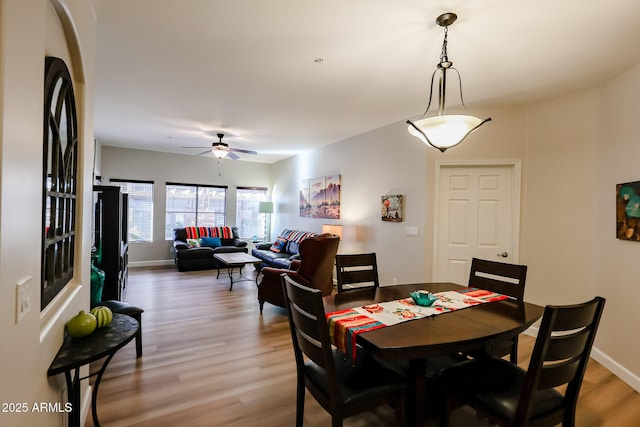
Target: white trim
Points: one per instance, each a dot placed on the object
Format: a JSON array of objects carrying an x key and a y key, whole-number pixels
[
  {"x": 516, "y": 177},
  {"x": 156, "y": 263}
]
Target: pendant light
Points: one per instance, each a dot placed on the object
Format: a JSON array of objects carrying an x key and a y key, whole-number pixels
[{"x": 443, "y": 131}]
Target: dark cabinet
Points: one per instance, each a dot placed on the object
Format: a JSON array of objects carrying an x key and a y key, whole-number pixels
[{"x": 112, "y": 249}]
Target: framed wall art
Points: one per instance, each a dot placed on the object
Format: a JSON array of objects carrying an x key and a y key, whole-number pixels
[
  {"x": 391, "y": 208},
  {"x": 628, "y": 211},
  {"x": 320, "y": 197}
]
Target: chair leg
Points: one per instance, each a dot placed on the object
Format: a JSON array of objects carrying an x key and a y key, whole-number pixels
[
  {"x": 300, "y": 403},
  {"x": 445, "y": 418},
  {"x": 261, "y": 305},
  {"x": 514, "y": 351}
]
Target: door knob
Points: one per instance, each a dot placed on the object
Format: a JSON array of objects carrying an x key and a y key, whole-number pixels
[{"x": 503, "y": 254}]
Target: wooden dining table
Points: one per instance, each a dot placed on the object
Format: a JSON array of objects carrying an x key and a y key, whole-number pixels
[{"x": 448, "y": 333}]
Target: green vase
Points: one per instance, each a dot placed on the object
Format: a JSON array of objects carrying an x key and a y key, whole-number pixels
[{"x": 97, "y": 283}]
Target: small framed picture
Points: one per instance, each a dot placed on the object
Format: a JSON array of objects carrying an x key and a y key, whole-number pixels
[{"x": 392, "y": 208}]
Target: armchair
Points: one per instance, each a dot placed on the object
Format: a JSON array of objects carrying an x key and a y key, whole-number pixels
[{"x": 314, "y": 268}]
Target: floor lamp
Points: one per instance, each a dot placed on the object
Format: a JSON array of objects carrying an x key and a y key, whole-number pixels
[{"x": 266, "y": 208}]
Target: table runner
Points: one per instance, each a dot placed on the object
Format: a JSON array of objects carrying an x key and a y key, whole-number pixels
[{"x": 345, "y": 325}]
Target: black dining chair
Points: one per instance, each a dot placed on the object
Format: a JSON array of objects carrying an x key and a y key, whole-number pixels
[
  {"x": 356, "y": 271},
  {"x": 506, "y": 279},
  {"x": 510, "y": 396},
  {"x": 342, "y": 386}
]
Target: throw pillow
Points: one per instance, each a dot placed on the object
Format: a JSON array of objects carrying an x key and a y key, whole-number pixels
[
  {"x": 193, "y": 243},
  {"x": 278, "y": 245},
  {"x": 210, "y": 242}
]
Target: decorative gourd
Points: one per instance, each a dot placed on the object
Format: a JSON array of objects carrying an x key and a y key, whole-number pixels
[
  {"x": 81, "y": 325},
  {"x": 103, "y": 315}
]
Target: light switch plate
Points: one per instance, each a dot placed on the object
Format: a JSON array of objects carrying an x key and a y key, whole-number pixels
[
  {"x": 23, "y": 298},
  {"x": 411, "y": 231}
]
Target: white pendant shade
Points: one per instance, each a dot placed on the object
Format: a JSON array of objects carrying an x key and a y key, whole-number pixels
[{"x": 446, "y": 131}]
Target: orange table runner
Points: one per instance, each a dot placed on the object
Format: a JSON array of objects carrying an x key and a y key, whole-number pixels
[{"x": 345, "y": 325}]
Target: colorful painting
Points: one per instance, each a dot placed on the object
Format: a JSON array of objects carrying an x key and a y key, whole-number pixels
[
  {"x": 628, "y": 211},
  {"x": 320, "y": 197},
  {"x": 391, "y": 208}
]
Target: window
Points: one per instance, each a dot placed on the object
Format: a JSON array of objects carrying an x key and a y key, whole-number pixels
[
  {"x": 140, "y": 211},
  {"x": 59, "y": 186},
  {"x": 250, "y": 223},
  {"x": 194, "y": 205}
]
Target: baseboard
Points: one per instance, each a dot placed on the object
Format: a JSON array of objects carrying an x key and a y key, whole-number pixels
[
  {"x": 602, "y": 358},
  {"x": 617, "y": 369},
  {"x": 157, "y": 263}
]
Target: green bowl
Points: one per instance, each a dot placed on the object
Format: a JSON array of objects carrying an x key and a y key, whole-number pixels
[{"x": 423, "y": 298}]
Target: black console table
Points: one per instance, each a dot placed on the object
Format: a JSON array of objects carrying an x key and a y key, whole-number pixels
[{"x": 77, "y": 352}]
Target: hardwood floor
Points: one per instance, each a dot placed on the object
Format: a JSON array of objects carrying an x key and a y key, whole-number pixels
[{"x": 210, "y": 359}]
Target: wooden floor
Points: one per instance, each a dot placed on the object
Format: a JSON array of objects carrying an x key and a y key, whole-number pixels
[{"x": 210, "y": 359}]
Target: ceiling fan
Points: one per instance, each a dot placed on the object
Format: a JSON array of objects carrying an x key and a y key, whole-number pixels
[{"x": 221, "y": 150}]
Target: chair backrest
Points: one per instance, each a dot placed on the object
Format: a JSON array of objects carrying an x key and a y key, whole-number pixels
[
  {"x": 560, "y": 355},
  {"x": 317, "y": 256},
  {"x": 506, "y": 279},
  {"x": 309, "y": 329},
  {"x": 356, "y": 269}
]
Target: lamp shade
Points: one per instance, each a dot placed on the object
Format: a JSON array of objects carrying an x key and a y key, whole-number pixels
[
  {"x": 445, "y": 131},
  {"x": 334, "y": 229},
  {"x": 265, "y": 207},
  {"x": 220, "y": 154}
]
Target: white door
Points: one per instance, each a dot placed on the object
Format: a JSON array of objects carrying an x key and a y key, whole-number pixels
[{"x": 477, "y": 215}]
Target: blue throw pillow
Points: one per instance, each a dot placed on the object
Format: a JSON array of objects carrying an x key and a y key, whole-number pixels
[{"x": 210, "y": 242}]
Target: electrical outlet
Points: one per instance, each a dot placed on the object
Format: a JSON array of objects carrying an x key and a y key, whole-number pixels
[{"x": 23, "y": 298}]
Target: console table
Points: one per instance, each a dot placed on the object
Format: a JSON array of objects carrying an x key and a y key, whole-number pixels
[{"x": 77, "y": 352}]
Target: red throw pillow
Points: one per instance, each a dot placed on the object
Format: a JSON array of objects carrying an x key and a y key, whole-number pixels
[{"x": 278, "y": 245}]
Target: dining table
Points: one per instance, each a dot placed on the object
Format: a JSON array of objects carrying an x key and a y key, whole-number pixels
[{"x": 414, "y": 341}]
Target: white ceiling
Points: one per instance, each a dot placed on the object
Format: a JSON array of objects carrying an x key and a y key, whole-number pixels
[{"x": 173, "y": 73}]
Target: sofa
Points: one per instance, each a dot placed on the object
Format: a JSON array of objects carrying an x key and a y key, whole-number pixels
[
  {"x": 283, "y": 250},
  {"x": 194, "y": 246}
]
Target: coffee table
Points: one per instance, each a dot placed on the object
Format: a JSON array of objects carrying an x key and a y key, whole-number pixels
[{"x": 233, "y": 260}]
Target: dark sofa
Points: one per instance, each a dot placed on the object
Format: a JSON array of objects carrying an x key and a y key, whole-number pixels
[
  {"x": 288, "y": 250},
  {"x": 189, "y": 256}
]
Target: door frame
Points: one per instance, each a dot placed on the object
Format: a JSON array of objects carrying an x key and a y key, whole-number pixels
[{"x": 516, "y": 179}]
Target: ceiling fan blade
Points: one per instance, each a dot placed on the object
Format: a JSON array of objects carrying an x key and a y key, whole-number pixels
[
  {"x": 239, "y": 150},
  {"x": 204, "y": 152},
  {"x": 232, "y": 156}
]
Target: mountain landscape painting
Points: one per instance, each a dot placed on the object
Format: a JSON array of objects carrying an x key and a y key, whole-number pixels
[{"x": 320, "y": 197}]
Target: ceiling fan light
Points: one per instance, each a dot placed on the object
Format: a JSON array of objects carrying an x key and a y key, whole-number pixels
[
  {"x": 443, "y": 132},
  {"x": 220, "y": 154}
]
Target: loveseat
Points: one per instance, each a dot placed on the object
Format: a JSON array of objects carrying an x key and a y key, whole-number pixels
[
  {"x": 194, "y": 246},
  {"x": 283, "y": 250}
]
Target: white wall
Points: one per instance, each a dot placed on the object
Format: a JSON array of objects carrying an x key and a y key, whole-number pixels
[
  {"x": 161, "y": 168},
  {"x": 29, "y": 30},
  {"x": 616, "y": 261},
  {"x": 384, "y": 161}
]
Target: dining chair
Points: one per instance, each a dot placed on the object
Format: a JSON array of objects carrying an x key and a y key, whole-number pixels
[
  {"x": 510, "y": 396},
  {"x": 356, "y": 271},
  {"x": 506, "y": 279},
  {"x": 342, "y": 386}
]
